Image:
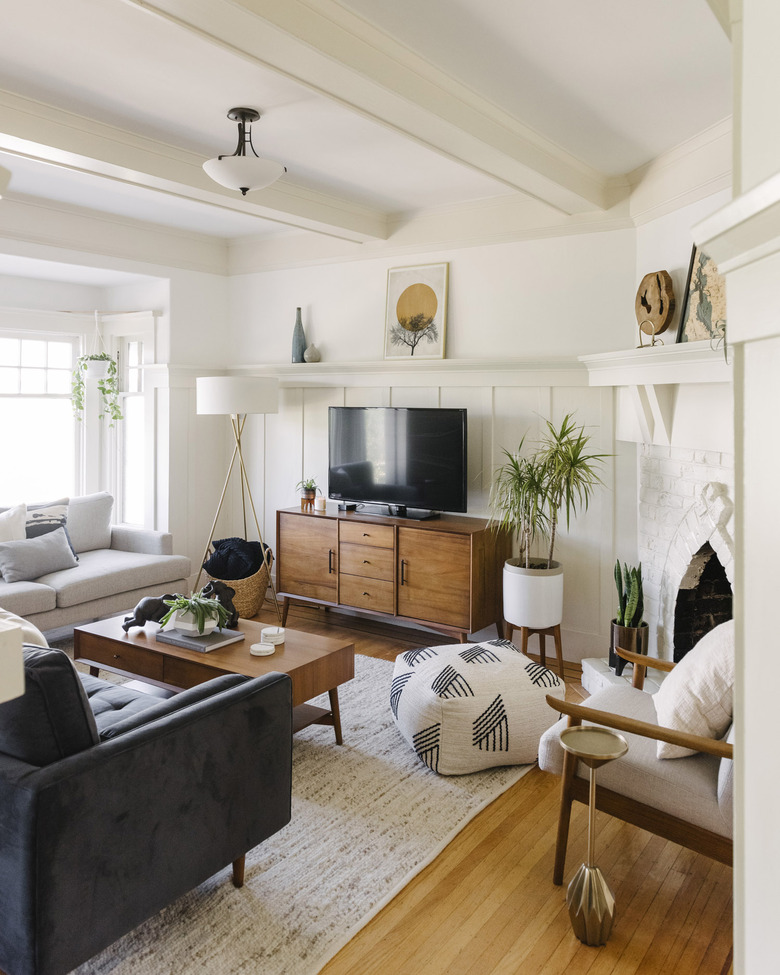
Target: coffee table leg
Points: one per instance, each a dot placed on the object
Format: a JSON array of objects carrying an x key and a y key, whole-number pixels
[{"x": 333, "y": 694}]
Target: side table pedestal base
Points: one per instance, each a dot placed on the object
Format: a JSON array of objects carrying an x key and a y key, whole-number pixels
[{"x": 591, "y": 906}]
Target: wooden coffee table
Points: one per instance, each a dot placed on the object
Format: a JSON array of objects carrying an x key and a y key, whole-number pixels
[{"x": 316, "y": 664}]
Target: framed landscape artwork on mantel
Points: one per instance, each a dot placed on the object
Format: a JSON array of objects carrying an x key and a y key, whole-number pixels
[
  {"x": 416, "y": 312},
  {"x": 704, "y": 302}
]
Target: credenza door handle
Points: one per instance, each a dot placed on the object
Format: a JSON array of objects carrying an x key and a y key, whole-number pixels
[
  {"x": 330, "y": 561},
  {"x": 403, "y": 568}
]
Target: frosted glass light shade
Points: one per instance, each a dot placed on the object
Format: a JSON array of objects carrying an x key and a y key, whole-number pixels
[
  {"x": 226, "y": 395},
  {"x": 11, "y": 663},
  {"x": 243, "y": 172}
]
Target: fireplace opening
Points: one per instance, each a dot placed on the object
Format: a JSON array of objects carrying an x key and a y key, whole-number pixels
[{"x": 704, "y": 600}]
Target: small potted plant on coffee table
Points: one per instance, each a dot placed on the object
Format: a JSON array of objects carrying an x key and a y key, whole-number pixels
[
  {"x": 195, "y": 615},
  {"x": 628, "y": 630}
]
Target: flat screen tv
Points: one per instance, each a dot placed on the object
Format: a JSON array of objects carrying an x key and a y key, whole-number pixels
[{"x": 411, "y": 459}]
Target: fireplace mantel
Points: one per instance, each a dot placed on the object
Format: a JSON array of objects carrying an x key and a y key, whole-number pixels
[
  {"x": 659, "y": 365},
  {"x": 652, "y": 377}
]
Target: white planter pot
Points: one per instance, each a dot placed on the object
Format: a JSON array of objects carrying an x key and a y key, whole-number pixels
[
  {"x": 533, "y": 597},
  {"x": 185, "y": 623}
]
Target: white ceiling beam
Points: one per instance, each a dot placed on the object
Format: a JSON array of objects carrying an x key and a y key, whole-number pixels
[
  {"x": 41, "y": 132},
  {"x": 325, "y": 47}
]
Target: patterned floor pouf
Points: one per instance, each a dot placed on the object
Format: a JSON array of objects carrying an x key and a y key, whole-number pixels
[{"x": 471, "y": 706}]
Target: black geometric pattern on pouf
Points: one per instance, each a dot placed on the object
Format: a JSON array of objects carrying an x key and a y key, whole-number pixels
[
  {"x": 491, "y": 728},
  {"x": 503, "y": 643},
  {"x": 541, "y": 676},
  {"x": 399, "y": 683},
  {"x": 479, "y": 654},
  {"x": 426, "y": 744},
  {"x": 413, "y": 657},
  {"x": 449, "y": 683}
]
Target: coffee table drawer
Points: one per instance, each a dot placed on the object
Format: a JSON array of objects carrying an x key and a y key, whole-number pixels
[
  {"x": 124, "y": 657},
  {"x": 188, "y": 673}
]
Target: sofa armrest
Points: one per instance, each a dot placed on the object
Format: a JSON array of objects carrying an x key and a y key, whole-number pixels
[
  {"x": 113, "y": 834},
  {"x": 143, "y": 540},
  {"x": 580, "y": 712}
]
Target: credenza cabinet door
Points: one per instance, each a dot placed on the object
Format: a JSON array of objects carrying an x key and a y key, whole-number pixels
[
  {"x": 308, "y": 556},
  {"x": 434, "y": 577}
]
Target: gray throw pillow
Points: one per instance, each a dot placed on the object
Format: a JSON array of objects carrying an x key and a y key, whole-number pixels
[
  {"x": 46, "y": 517},
  {"x": 89, "y": 521},
  {"x": 31, "y": 558}
]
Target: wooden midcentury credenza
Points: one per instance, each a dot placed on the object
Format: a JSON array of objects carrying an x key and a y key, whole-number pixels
[{"x": 444, "y": 573}]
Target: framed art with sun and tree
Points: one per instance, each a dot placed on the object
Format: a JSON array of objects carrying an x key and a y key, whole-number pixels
[{"x": 416, "y": 312}]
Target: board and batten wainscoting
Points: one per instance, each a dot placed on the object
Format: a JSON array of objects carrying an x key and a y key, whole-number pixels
[{"x": 505, "y": 401}]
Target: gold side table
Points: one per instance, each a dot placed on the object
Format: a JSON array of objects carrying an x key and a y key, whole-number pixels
[{"x": 590, "y": 901}]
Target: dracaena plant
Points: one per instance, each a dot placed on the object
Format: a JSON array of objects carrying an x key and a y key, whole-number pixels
[{"x": 530, "y": 494}]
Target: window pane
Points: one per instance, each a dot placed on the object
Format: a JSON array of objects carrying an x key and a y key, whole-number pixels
[
  {"x": 58, "y": 381},
  {"x": 60, "y": 355},
  {"x": 33, "y": 352},
  {"x": 40, "y": 434},
  {"x": 9, "y": 352},
  {"x": 33, "y": 381},
  {"x": 9, "y": 380},
  {"x": 133, "y": 455}
]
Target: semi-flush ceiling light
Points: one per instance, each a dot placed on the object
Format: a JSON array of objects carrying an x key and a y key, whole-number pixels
[{"x": 242, "y": 171}]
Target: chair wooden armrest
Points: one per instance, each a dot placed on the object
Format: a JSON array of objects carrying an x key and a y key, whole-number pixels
[
  {"x": 578, "y": 713},
  {"x": 641, "y": 662}
]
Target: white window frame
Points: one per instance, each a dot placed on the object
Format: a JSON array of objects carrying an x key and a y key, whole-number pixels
[{"x": 118, "y": 331}]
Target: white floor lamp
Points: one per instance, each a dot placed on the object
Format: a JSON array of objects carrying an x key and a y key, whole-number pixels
[
  {"x": 11, "y": 661},
  {"x": 236, "y": 397}
]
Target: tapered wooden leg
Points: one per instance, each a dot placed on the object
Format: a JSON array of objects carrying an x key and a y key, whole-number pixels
[
  {"x": 524, "y": 639},
  {"x": 238, "y": 871},
  {"x": 334, "y": 710},
  {"x": 285, "y": 608},
  {"x": 564, "y": 815},
  {"x": 508, "y": 629},
  {"x": 556, "y": 631}
]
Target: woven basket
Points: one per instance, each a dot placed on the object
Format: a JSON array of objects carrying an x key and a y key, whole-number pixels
[{"x": 250, "y": 592}]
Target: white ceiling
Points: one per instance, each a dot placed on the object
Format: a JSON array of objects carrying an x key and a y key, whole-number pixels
[{"x": 376, "y": 108}]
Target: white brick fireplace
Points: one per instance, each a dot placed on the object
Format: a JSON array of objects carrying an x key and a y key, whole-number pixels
[{"x": 676, "y": 404}]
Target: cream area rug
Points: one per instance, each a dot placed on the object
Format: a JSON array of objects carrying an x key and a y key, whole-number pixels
[{"x": 366, "y": 817}]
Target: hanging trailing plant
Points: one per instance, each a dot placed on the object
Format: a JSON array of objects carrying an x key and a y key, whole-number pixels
[{"x": 107, "y": 384}]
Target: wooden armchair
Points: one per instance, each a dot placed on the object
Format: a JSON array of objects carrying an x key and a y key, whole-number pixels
[{"x": 686, "y": 800}]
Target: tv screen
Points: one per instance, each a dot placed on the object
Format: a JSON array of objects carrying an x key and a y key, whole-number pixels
[{"x": 403, "y": 457}]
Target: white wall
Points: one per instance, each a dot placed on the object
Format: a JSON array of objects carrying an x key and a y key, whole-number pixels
[{"x": 566, "y": 295}]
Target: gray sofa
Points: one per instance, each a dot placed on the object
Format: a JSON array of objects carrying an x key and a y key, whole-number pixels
[
  {"x": 116, "y": 803},
  {"x": 116, "y": 567}
]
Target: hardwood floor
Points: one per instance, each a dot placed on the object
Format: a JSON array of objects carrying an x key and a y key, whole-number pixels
[{"x": 487, "y": 904}]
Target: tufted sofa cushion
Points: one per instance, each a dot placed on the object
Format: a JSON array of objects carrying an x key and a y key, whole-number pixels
[
  {"x": 112, "y": 703},
  {"x": 52, "y": 719}
]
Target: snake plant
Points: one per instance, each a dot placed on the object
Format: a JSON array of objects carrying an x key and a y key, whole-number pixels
[{"x": 630, "y": 596}]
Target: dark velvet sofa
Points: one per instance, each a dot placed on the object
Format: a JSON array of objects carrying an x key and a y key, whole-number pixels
[{"x": 113, "y": 803}]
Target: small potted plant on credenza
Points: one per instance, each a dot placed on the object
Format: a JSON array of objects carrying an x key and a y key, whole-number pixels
[{"x": 628, "y": 630}]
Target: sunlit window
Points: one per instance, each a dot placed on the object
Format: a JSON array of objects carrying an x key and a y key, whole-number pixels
[{"x": 40, "y": 442}]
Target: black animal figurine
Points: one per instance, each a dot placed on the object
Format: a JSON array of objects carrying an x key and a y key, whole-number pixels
[
  {"x": 149, "y": 608},
  {"x": 224, "y": 594}
]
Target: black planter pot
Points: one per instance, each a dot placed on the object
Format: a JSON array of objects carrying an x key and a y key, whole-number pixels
[{"x": 633, "y": 638}]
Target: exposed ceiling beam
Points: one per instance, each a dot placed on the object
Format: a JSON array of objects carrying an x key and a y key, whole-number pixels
[
  {"x": 325, "y": 47},
  {"x": 41, "y": 132},
  {"x": 722, "y": 11}
]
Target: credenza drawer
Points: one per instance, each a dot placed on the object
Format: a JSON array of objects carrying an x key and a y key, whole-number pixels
[
  {"x": 125, "y": 657},
  {"x": 381, "y": 536},
  {"x": 362, "y": 593},
  {"x": 366, "y": 561}
]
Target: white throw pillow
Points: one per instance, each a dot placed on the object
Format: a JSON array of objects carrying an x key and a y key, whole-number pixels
[
  {"x": 12, "y": 523},
  {"x": 697, "y": 696}
]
